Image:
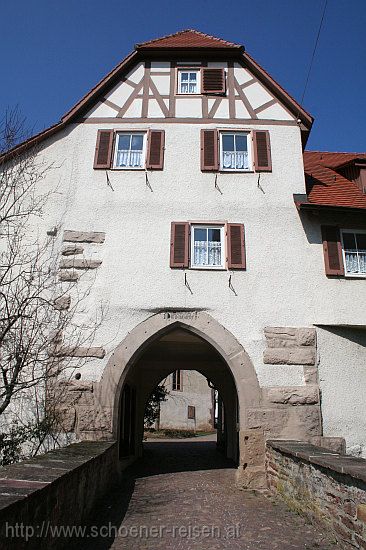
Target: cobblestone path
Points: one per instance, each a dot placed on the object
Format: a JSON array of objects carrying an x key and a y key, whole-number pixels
[{"x": 182, "y": 496}]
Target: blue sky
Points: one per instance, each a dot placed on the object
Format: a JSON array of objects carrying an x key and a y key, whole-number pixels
[{"x": 54, "y": 52}]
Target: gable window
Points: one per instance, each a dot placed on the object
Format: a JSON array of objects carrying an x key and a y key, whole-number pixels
[
  {"x": 354, "y": 252},
  {"x": 207, "y": 246},
  {"x": 234, "y": 151},
  {"x": 177, "y": 383},
  {"x": 188, "y": 82},
  {"x": 129, "y": 150}
]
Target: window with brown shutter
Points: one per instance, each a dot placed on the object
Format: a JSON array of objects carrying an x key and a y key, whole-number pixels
[
  {"x": 103, "y": 149},
  {"x": 213, "y": 81},
  {"x": 155, "y": 150},
  {"x": 236, "y": 246},
  {"x": 208, "y": 245},
  {"x": 179, "y": 245},
  {"x": 262, "y": 151},
  {"x": 332, "y": 248},
  {"x": 209, "y": 151}
]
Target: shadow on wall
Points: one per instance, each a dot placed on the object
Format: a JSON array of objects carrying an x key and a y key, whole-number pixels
[{"x": 354, "y": 334}]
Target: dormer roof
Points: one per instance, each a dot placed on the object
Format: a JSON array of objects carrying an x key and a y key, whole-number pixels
[{"x": 326, "y": 185}]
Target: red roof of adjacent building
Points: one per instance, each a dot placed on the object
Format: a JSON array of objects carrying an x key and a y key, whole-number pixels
[
  {"x": 188, "y": 39},
  {"x": 326, "y": 186}
]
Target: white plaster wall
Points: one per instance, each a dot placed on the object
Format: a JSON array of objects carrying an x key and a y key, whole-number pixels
[
  {"x": 342, "y": 374},
  {"x": 196, "y": 392},
  {"x": 284, "y": 284}
]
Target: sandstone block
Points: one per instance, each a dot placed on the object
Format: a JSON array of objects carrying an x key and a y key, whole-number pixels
[
  {"x": 310, "y": 375},
  {"x": 68, "y": 276},
  {"x": 72, "y": 250},
  {"x": 69, "y": 351},
  {"x": 89, "y": 419},
  {"x": 62, "y": 303},
  {"x": 272, "y": 421},
  {"x": 252, "y": 447},
  {"x": 306, "y": 336},
  {"x": 295, "y": 395},
  {"x": 84, "y": 236},
  {"x": 289, "y": 356},
  {"x": 67, "y": 418},
  {"x": 302, "y": 356},
  {"x": 252, "y": 477},
  {"x": 75, "y": 263},
  {"x": 361, "y": 512},
  {"x": 307, "y": 420}
]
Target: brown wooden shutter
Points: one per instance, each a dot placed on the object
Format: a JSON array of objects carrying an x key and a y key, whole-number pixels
[
  {"x": 236, "y": 246},
  {"x": 179, "y": 244},
  {"x": 103, "y": 149},
  {"x": 213, "y": 81},
  {"x": 209, "y": 151},
  {"x": 332, "y": 249},
  {"x": 262, "y": 151},
  {"x": 155, "y": 150}
]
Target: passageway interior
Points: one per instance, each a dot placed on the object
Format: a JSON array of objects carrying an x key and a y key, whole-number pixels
[{"x": 178, "y": 349}]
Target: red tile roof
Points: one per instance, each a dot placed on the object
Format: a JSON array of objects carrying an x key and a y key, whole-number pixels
[
  {"x": 188, "y": 39},
  {"x": 327, "y": 186}
]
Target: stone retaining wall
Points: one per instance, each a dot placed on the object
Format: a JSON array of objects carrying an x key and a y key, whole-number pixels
[
  {"x": 326, "y": 486},
  {"x": 59, "y": 488}
]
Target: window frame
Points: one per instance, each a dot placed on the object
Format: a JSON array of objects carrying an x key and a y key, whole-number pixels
[
  {"x": 179, "y": 378},
  {"x": 181, "y": 70},
  {"x": 117, "y": 133},
  {"x": 223, "y": 239},
  {"x": 249, "y": 135},
  {"x": 350, "y": 274}
]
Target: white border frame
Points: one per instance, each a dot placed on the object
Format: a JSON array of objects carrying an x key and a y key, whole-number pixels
[
  {"x": 349, "y": 273},
  {"x": 144, "y": 143},
  {"x": 223, "y": 246},
  {"x": 248, "y": 133},
  {"x": 188, "y": 70}
]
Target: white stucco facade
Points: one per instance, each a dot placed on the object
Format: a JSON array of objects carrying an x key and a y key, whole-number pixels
[{"x": 284, "y": 283}]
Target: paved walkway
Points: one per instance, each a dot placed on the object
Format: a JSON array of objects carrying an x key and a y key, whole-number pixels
[{"x": 182, "y": 496}]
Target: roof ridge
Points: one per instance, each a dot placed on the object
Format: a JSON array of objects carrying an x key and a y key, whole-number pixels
[{"x": 178, "y": 33}]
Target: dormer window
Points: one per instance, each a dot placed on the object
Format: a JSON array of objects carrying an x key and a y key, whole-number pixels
[{"x": 188, "y": 81}]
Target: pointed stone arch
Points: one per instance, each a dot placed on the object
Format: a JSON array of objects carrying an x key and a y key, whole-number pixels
[{"x": 202, "y": 324}]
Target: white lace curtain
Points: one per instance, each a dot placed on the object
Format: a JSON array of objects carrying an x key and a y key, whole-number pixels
[
  {"x": 207, "y": 253},
  {"x": 355, "y": 263},
  {"x": 129, "y": 158},
  {"x": 236, "y": 160}
]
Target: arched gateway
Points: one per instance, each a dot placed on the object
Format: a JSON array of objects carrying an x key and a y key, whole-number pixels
[{"x": 123, "y": 387}]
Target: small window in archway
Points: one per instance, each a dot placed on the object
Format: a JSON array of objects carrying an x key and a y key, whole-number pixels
[
  {"x": 177, "y": 382},
  {"x": 191, "y": 412}
]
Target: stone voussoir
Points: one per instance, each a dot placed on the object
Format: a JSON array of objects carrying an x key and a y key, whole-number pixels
[
  {"x": 75, "y": 263},
  {"x": 84, "y": 236}
]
